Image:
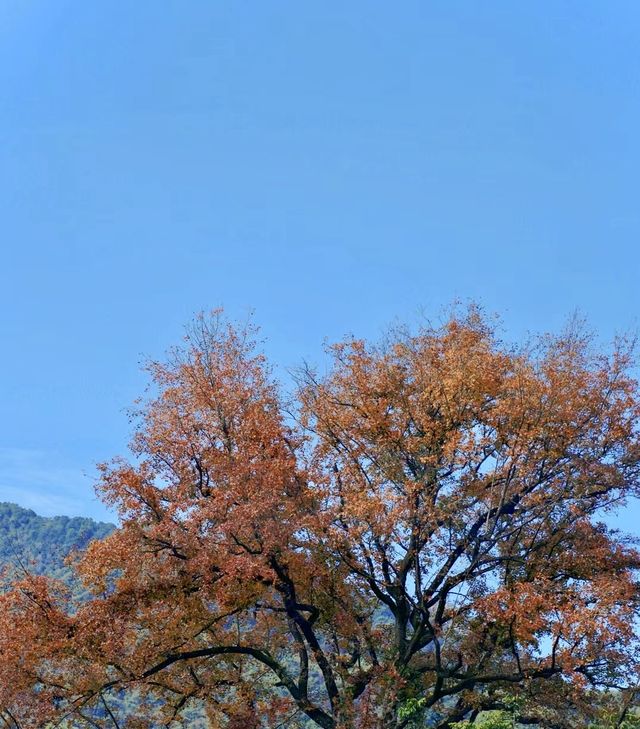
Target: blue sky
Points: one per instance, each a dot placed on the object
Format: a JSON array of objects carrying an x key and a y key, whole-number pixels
[{"x": 333, "y": 166}]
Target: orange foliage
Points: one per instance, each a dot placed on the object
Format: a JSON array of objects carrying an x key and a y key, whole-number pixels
[{"x": 422, "y": 522}]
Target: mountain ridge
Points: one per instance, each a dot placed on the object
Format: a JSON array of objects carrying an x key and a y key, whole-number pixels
[{"x": 40, "y": 544}]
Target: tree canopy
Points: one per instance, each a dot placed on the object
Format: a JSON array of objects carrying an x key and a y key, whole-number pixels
[{"x": 414, "y": 537}]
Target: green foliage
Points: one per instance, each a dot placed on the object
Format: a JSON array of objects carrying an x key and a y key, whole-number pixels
[
  {"x": 612, "y": 721},
  {"x": 412, "y": 709},
  {"x": 489, "y": 720},
  {"x": 496, "y": 719},
  {"x": 41, "y": 544}
]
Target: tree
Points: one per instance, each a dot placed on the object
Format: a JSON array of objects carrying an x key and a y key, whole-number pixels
[{"x": 415, "y": 538}]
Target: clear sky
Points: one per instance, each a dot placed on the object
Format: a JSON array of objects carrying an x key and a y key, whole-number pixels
[{"x": 333, "y": 166}]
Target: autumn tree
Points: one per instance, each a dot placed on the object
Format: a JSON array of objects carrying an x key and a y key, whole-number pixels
[{"x": 414, "y": 538}]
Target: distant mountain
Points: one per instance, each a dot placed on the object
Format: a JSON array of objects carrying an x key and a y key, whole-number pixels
[{"x": 41, "y": 543}]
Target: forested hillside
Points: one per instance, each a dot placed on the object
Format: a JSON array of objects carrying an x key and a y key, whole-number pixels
[{"x": 41, "y": 544}]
